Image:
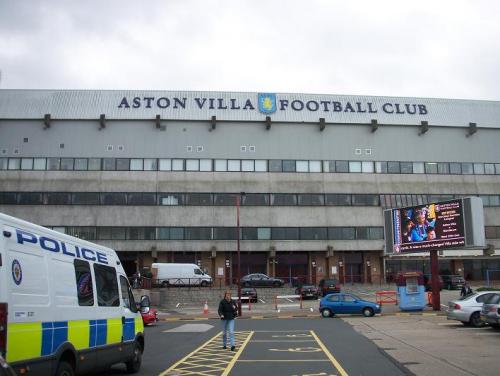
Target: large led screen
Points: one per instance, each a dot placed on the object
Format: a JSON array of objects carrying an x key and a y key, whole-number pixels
[{"x": 427, "y": 227}]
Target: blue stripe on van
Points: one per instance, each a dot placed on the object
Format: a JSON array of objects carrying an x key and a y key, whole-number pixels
[
  {"x": 60, "y": 334},
  {"x": 129, "y": 329},
  {"x": 93, "y": 333},
  {"x": 102, "y": 329},
  {"x": 47, "y": 335}
]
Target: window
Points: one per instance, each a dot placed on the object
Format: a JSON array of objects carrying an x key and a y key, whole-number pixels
[
  {"x": 362, "y": 233},
  {"x": 123, "y": 164},
  {"x": 302, "y": 166},
  {"x": 151, "y": 164},
  {"x": 170, "y": 233},
  {"x": 489, "y": 168},
  {"x": 106, "y": 286},
  {"x": 86, "y": 232},
  {"x": 455, "y": 168},
  {"x": 248, "y": 165},
  {"x": 311, "y": 199},
  {"x": 220, "y": 165},
  {"x": 170, "y": 199},
  {"x": 479, "y": 168},
  {"x": 367, "y": 167},
  {"x": 233, "y": 165},
  {"x": 81, "y": 164},
  {"x": 29, "y": 198},
  {"x": 198, "y": 199},
  {"x": 53, "y": 163},
  {"x": 338, "y": 200},
  {"x": 27, "y": 164},
  {"x": 263, "y": 233},
  {"x": 285, "y": 233},
  {"x": 249, "y": 233},
  {"x": 39, "y": 164},
  {"x": 275, "y": 165},
  {"x": 8, "y": 198},
  {"x": 467, "y": 169},
  {"x": 341, "y": 233},
  {"x": 127, "y": 296},
  {"x": 177, "y": 164},
  {"x": 406, "y": 167},
  {"x": 261, "y": 166},
  {"x": 375, "y": 233},
  {"x": 431, "y": 168},
  {"x": 418, "y": 167},
  {"x": 393, "y": 167},
  {"x": 84, "y": 289},
  {"x": 94, "y": 164},
  {"x": 141, "y": 233},
  {"x": 198, "y": 233},
  {"x": 113, "y": 199},
  {"x": 3, "y": 163},
  {"x": 341, "y": 166},
  {"x": 289, "y": 166},
  {"x": 84, "y": 198},
  {"x": 255, "y": 199},
  {"x": 443, "y": 168},
  {"x": 192, "y": 164},
  {"x": 165, "y": 165},
  {"x": 141, "y": 199},
  {"x": 67, "y": 164},
  {"x": 283, "y": 199},
  {"x": 365, "y": 200},
  {"x": 205, "y": 165},
  {"x": 334, "y": 298},
  {"x": 109, "y": 164},
  {"x": 314, "y": 166},
  {"x": 225, "y": 233},
  {"x": 63, "y": 198},
  {"x": 354, "y": 166},
  {"x": 224, "y": 199},
  {"x": 313, "y": 233}
]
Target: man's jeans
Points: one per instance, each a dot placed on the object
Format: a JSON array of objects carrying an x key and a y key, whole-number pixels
[{"x": 227, "y": 325}]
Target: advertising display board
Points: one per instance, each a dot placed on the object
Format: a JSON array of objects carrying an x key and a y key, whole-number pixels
[{"x": 433, "y": 226}]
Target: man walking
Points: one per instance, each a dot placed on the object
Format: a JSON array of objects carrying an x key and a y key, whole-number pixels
[{"x": 227, "y": 313}]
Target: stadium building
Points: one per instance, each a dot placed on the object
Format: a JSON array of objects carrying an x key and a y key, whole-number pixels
[{"x": 156, "y": 175}]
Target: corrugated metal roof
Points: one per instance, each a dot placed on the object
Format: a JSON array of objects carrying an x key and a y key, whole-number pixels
[{"x": 237, "y": 106}]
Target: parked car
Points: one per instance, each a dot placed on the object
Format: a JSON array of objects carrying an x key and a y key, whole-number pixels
[
  {"x": 149, "y": 315},
  {"x": 261, "y": 280},
  {"x": 452, "y": 282},
  {"x": 328, "y": 286},
  {"x": 251, "y": 293},
  {"x": 340, "y": 303},
  {"x": 428, "y": 282},
  {"x": 490, "y": 313},
  {"x": 307, "y": 291},
  {"x": 468, "y": 308}
]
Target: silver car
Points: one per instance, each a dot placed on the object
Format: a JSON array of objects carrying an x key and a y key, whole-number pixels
[
  {"x": 468, "y": 308},
  {"x": 490, "y": 313}
]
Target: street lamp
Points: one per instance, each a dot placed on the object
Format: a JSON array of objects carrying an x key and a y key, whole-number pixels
[{"x": 238, "y": 274}]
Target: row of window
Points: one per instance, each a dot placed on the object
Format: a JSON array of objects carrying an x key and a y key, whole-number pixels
[
  {"x": 224, "y": 233},
  {"x": 248, "y": 165},
  {"x": 228, "y": 199}
]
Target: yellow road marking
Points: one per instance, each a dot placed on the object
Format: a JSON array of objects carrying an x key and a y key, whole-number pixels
[
  {"x": 283, "y": 340},
  {"x": 329, "y": 355},
  {"x": 240, "y": 350},
  {"x": 283, "y": 360}
]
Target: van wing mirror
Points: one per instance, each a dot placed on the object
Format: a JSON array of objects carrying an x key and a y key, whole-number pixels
[{"x": 145, "y": 302}]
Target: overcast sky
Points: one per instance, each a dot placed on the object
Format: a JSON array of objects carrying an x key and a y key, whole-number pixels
[{"x": 439, "y": 48}]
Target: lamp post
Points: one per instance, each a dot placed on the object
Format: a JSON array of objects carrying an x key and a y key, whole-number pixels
[{"x": 238, "y": 273}]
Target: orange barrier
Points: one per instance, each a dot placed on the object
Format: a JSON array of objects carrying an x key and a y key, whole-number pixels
[
  {"x": 386, "y": 297},
  {"x": 429, "y": 298}
]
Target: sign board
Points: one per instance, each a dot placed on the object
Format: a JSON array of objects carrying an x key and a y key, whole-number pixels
[{"x": 454, "y": 224}]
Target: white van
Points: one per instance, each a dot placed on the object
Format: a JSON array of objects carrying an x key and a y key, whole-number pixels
[
  {"x": 171, "y": 274},
  {"x": 66, "y": 306}
]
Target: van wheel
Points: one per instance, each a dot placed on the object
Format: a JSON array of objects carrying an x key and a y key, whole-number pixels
[
  {"x": 368, "y": 312},
  {"x": 204, "y": 283},
  {"x": 65, "y": 369},
  {"x": 326, "y": 313},
  {"x": 134, "y": 365}
]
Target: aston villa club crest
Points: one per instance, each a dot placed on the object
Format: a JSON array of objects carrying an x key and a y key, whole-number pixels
[{"x": 267, "y": 103}]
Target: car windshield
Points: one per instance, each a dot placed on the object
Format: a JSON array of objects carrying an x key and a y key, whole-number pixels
[
  {"x": 494, "y": 299},
  {"x": 352, "y": 296}
]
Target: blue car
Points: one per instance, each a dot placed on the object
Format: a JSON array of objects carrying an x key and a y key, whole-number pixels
[{"x": 341, "y": 303}]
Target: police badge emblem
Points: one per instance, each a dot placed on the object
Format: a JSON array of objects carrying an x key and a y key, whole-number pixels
[{"x": 267, "y": 103}]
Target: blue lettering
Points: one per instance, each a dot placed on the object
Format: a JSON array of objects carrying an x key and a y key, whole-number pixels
[
  {"x": 422, "y": 110},
  {"x": 182, "y": 103},
  {"x": 384, "y": 108},
  {"x": 325, "y": 105},
  {"x": 136, "y": 102},
  {"x": 248, "y": 105},
  {"x": 360, "y": 109},
  {"x": 200, "y": 102},
  {"x": 337, "y": 106},
  {"x": 148, "y": 101},
  {"x": 163, "y": 102},
  {"x": 101, "y": 257},
  {"x": 211, "y": 105},
  {"x": 398, "y": 111},
  {"x": 312, "y": 105},
  {"x": 65, "y": 251},
  {"x": 283, "y": 104},
  {"x": 348, "y": 107},
  {"x": 25, "y": 237},
  {"x": 85, "y": 256},
  {"x": 370, "y": 109},
  {"x": 221, "y": 104},
  {"x": 43, "y": 243},
  {"x": 233, "y": 105},
  {"x": 299, "y": 103},
  {"x": 124, "y": 103},
  {"x": 410, "y": 111}
]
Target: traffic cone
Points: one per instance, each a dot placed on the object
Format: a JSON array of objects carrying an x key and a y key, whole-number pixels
[{"x": 205, "y": 308}]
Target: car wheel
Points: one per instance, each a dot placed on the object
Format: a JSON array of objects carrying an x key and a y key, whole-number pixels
[
  {"x": 204, "y": 283},
  {"x": 368, "y": 312},
  {"x": 475, "y": 320},
  {"x": 65, "y": 369},
  {"x": 134, "y": 364},
  {"x": 326, "y": 313}
]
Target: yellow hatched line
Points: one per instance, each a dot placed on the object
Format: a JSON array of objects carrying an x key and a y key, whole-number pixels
[
  {"x": 212, "y": 366},
  {"x": 329, "y": 355},
  {"x": 238, "y": 353}
]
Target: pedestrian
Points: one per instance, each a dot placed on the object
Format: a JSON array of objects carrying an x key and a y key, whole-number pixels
[
  {"x": 228, "y": 312},
  {"x": 469, "y": 289},
  {"x": 463, "y": 290}
]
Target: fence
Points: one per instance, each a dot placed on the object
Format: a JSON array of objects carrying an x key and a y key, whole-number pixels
[{"x": 386, "y": 297}]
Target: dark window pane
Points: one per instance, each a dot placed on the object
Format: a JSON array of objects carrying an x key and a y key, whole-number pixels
[
  {"x": 141, "y": 233},
  {"x": 84, "y": 288},
  {"x": 490, "y": 232},
  {"x": 365, "y": 200},
  {"x": 275, "y": 165},
  {"x": 311, "y": 199},
  {"x": 255, "y": 199},
  {"x": 283, "y": 199},
  {"x": 362, "y": 233},
  {"x": 8, "y": 198},
  {"x": 338, "y": 200},
  {"x": 94, "y": 164},
  {"x": 376, "y": 233},
  {"x": 141, "y": 199},
  {"x": 341, "y": 166},
  {"x": 85, "y": 233},
  {"x": 198, "y": 233},
  {"x": 53, "y": 163},
  {"x": 288, "y": 166},
  {"x": 104, "y": 233},
  {"x": 30, "y": 198},
  {"x": 81, "y": 164},
  {"x": 393, "y": 167},
  {"x": 84, "y": 198},
  {"x": 285, "y": 233},
  {"x": 249, "y": 233},
  {"x": 60, "y": 198},
  {"x": 406, "y": 167},
  {"x": 225, "y": 233},
  {"x": 381, "y": 167},
  {"x": 334, "y": 233},
  {"x": 467, "y": 169},
  {"x": 455, "y": 168},
  {"x": 224, "y": 199},
  {"x": 170, "y": 199},
  {"x": 443, "y": 168},
  {"x": 199, "y": 199},
  {"x": 113, "y": 198},
  {"x": 123, "y": 164},
  {"x": 176, "y": 233},
  {"x": 67, "y": 164},
  {"x": 313, "y": 233},
  {"x": 118, "y": 233},
  {"x": 109, "y": 164},
  {"x": 430, "y": 168},
  {"x": 106, "y": 286}
]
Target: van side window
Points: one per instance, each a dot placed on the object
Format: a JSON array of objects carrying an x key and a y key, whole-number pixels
[
  {"x": 107, "y": 286},
  {"x": 84, "y": 283},
  {"x": 128, "y": 297},
  {"x": 197, "y": 271}
]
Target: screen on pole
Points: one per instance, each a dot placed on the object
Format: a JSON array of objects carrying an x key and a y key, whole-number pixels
[{"x": 425, "y": 227}]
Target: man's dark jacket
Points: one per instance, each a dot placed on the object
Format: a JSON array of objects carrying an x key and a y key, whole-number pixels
[{"x": 227, "y": 309}]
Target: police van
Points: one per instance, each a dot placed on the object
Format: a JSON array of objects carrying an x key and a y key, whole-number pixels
[{"x": 66, "y": 306}]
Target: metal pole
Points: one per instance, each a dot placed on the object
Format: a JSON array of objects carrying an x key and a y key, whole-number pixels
[
  {"x": 238, "y": 198},
  {"x": 436, "y": 295}
]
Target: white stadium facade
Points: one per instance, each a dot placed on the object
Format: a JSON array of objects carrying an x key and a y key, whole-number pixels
[{"x": 156, "y": 176}]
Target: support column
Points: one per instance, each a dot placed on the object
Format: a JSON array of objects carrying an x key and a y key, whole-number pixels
[{"x": 436, "y": 298}]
